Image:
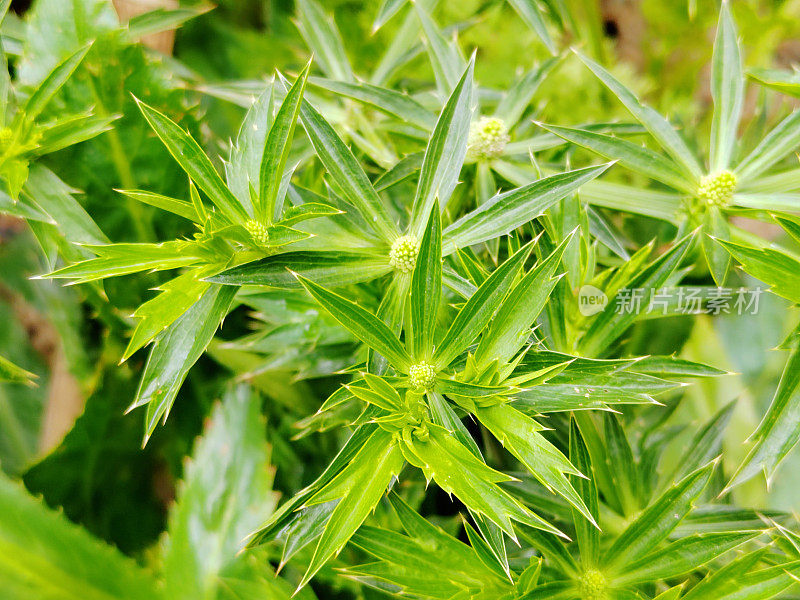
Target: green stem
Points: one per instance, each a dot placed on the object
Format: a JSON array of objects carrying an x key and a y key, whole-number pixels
[{"x": 122, "y": 165}]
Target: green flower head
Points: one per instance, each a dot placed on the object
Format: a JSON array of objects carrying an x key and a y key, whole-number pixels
[
  {"x": 593, "y": 585},
  {"x": 717, "y": 189},
  {"x": 258, "y": 231},
  {"x": 488, "y": 137},
  {"x": 422, "y": 376},
  {"x": 403, "y": 254}
]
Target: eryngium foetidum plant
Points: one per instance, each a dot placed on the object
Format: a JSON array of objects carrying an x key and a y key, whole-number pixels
[{"x": 410, "y": 264}]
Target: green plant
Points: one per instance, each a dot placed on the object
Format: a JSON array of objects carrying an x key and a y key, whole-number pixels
[
  {"x": 706, "y": 194},
  {"x": 474, "y": 362},
  {"x": 200, "y": 551}
]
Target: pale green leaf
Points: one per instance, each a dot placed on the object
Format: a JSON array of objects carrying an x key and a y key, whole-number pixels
[
  {"x": 612, "y": 322},
  {"x": 44, "y": 555},
  {"x": 520, "y": 435},
  {"x": 513, "y": 104},
  {"x": 426, "y": 289},
  {"x": 739, "y": 581},
  {"x": 174, "y": 205},
  {"x": 72, "y": 130},
  {"x": 14, "y": 374},
  {"x": 287, "y": 512},
  {"x": 52, "y": 83},
  {"x": 123, "y": 259},
  {"x": 778, "y": 431},
  {"x": 226, "y": 492},
  {"x": 727, "y": 90},
  {"x": 445, "y": 59},
  {"x": 716, "y": 228},
  {"x": 161, "y": 19},
  {"x": 388, "y": 101},
  {"x": 387, "y": 10},
  {"x": 633, "y": 156},
  {"x": 358, "y": 488},
  {"x": 682, "y": 556},
  {"x": 444, "y": 154},
  {"x": 672, "y": 143},
  {"x": 778, "y": 269},
  {"x": 56, "y": 198},
  {"x": 531, "y": 13},
  {"x": 779, "y": 142},
  {"x": 176, "y": 297},
  {"x": 650, "y": 203},
  {"x": 457, "y": 471},
  {"x": 322, "y": 36},
  {"x": 510, "y": 329},
  {"x": 243, "y": 169}
]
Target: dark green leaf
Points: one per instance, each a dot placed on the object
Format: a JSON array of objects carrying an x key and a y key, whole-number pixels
[
  {"x": 658, "y": 520},
  {"x": 176, "y": 350},
  {"x": 346, "y": 172},
  {"x": 193, "y": 160},
  {"x": 361, "y": 323},
  {"x": 588, "y": 535},
  {"x": 331, "y": 269},
  {"x": 505, "y": 212},
  {"x": 479, "y": 309},
  {"x": 276, "y": 149}
]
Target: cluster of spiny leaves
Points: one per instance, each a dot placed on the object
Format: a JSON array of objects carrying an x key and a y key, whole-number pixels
[{"x": 425, "y": 252}]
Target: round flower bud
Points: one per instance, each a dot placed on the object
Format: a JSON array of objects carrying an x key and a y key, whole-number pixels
[
  {"x": 422, "y": 376},
  {"x": 717, "y": 189},
  {"x": 593, "y": 585},
  {"x": 258, "y": 231},
  {"x": 488, "y": 137},
  {"x": 403, "y": 254},
  {"x": 6, "y": 134}
]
